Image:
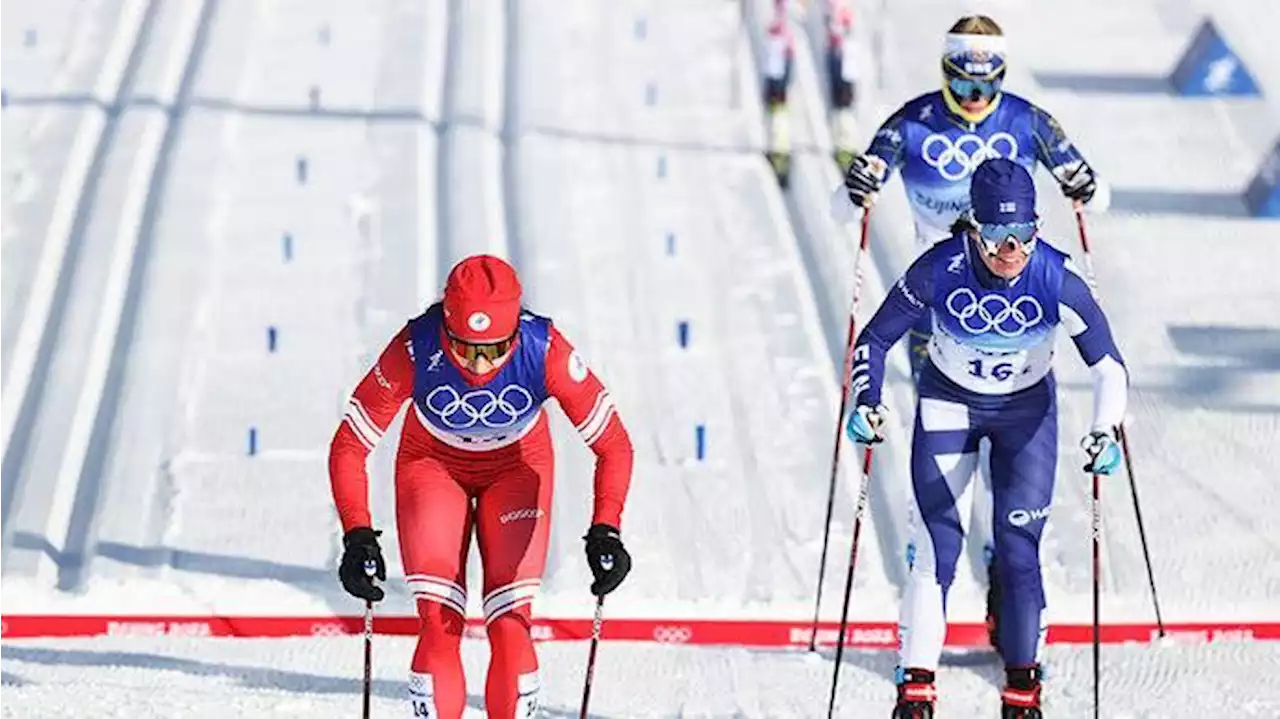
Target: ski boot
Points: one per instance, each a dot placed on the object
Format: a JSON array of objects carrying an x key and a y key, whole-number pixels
[
  {"x": 1021, "y": 696},
  {"x": 781, "y": 164},
  {"x": 842, "y": 134},
  {"x": 916, "y": 695}
]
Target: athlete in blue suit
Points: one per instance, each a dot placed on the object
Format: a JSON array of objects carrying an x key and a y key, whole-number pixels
[
  {"x": 995, "y": 295},
  {"x": 936, "y": 140}
]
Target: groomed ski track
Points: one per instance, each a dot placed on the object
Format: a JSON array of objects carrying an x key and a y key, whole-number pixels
[{"x": 628, "y": 218}]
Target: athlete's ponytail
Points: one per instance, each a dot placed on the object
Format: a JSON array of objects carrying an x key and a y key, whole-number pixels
[{"x": 964, "y": 223}]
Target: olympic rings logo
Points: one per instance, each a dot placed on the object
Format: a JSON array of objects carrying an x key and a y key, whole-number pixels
[
  {"x": 994, "y": 313},
  {"x": 957, "y": 160},
  {"x": 327, "y": 629},
  {"x": 672, "y": 635},
  {"x": 479, "y": 406}
]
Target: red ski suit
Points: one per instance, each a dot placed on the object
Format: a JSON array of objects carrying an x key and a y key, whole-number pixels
[{"x": 476, "y": 452}]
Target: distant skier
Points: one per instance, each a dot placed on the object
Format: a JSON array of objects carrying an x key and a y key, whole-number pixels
[
  {"x": 995, "y": 295},
  {"x": 842, "y": 79},
  {"x": 779, "y": 57},
  {"x": 476, "y": 451},
  {"x": 937, "y": 140},
  {"x": 779, "y": 60}
]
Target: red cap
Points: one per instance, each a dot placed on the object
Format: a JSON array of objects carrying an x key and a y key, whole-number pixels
[{"x": 482, "y": 300}]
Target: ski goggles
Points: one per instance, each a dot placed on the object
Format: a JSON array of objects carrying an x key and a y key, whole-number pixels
[
  {"x": 965, "y": 88},
  {"x": 1021, "y": 234},
  {"x": 492, "y": 351},
  {"x": 973, "y": 76}
]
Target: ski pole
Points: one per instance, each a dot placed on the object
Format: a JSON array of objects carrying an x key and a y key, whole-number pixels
[
  {"x": 848, "y": 581},
  {"x": 1097, "y": 571},
  {"x": 1084, "y": 245},
  {"x": 370, "y": 569},
  {"x": 844, "y": 403},
  {"x": 1142, "y": 533},
  {"x": 1124, "y": 439},
  {"x": 596, "y": 624}
]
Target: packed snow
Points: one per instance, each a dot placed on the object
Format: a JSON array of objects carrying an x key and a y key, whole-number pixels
[{"x": 197, "y": 678}]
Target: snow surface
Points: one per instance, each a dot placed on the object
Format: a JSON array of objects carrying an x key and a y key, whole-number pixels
[
  {"x": 195, "y": 678},
  {"x": 595, "y": 188}
]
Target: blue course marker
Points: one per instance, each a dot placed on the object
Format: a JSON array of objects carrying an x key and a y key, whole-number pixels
[
  {"x": 671, "y": 243},
  {"x": 253, "y": 441},
  {"x": 271, "y": 339},
  {"x": 1209, "y": 67},
  {"x": 682, "y": 333},
  {"x": 302, "y": 170},
  {"x": 286, "y": 246},
  {"x": 700, "y": 441},
  {"x": 1263, "y": 194}
]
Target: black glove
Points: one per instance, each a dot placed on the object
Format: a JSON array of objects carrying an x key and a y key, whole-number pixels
[
  {"x": 608, "y": 559},
  {"x": 863, "y": 179},
  {"x": 1077, "y": 180},
  {"x": 360, "y": 548}
]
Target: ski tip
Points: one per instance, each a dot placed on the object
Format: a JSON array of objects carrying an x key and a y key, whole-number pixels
[{"x": 781, "y": 164}]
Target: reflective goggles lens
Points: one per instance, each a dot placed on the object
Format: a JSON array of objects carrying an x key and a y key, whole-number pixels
[
  {"x": 1022, "y": 234},
  {"x": 970, "y": 89},
  {"x": 492, "y": 351}
]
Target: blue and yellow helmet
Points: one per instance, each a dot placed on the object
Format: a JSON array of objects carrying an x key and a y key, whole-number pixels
[{"x": 973, "y": 68}]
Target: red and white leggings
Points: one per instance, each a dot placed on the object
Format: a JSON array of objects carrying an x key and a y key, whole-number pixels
[{"x": 442, "y": 494}]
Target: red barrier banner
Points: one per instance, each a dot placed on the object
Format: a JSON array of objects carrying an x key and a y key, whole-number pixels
[{"x": 754, "y": 633}]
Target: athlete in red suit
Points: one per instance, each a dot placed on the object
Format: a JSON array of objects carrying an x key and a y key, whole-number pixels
[{"x": 475, "y": 453}]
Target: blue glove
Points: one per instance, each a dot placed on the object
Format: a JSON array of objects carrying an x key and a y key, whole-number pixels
[
  {"x": 1104, "y": 453},
  {"x": 865, "y": 423}
]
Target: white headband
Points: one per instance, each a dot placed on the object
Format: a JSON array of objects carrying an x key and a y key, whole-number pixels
[{"x": 958, "y": 44}]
